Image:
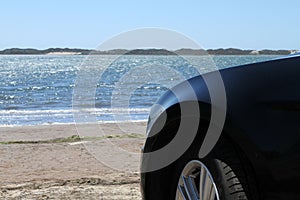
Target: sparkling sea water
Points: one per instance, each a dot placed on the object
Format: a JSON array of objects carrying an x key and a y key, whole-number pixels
[{"x": 39, "y": 89}]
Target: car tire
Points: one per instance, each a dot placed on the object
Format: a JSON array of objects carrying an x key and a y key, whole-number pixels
[{"x": 230, "y": 170}]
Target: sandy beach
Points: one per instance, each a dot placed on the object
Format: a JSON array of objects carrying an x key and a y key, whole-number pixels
[{"x": 59, "y": 161}]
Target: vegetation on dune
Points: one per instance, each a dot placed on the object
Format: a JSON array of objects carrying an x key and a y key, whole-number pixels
[{"x": 184, "y": 51}]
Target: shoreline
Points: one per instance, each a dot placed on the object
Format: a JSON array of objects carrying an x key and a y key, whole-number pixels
[{"x": 71, "y": 123}]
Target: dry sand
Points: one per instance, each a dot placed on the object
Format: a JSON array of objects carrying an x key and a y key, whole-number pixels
[{"x": 34, "y": 164}]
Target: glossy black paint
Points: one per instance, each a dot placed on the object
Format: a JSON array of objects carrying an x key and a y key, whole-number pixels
[{"x": 262, "y": 118}]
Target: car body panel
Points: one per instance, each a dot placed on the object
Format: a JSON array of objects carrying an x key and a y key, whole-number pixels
[{"x": 262, "y": 118}]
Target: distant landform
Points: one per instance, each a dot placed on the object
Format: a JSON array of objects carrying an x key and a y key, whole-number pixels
[{"x": 69, "y": 51}]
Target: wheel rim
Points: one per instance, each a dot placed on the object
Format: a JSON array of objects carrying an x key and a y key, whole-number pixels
[{"x": 196, "y": 183}]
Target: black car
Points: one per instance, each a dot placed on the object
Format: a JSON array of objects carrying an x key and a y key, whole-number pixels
[{"x": 235, "y": 140}]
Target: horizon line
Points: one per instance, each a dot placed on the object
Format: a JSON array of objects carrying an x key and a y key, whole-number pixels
[{"x": 95, "y": 49}]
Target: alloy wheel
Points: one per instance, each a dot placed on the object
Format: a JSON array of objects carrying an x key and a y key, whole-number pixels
[{"x": 196, "y": 183}]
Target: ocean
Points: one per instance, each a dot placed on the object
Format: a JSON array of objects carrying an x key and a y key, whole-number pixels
[{"x": 60, "y": 89}]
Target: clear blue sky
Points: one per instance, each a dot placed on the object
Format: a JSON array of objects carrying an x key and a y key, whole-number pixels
[{"x": 255, "y": 24}]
